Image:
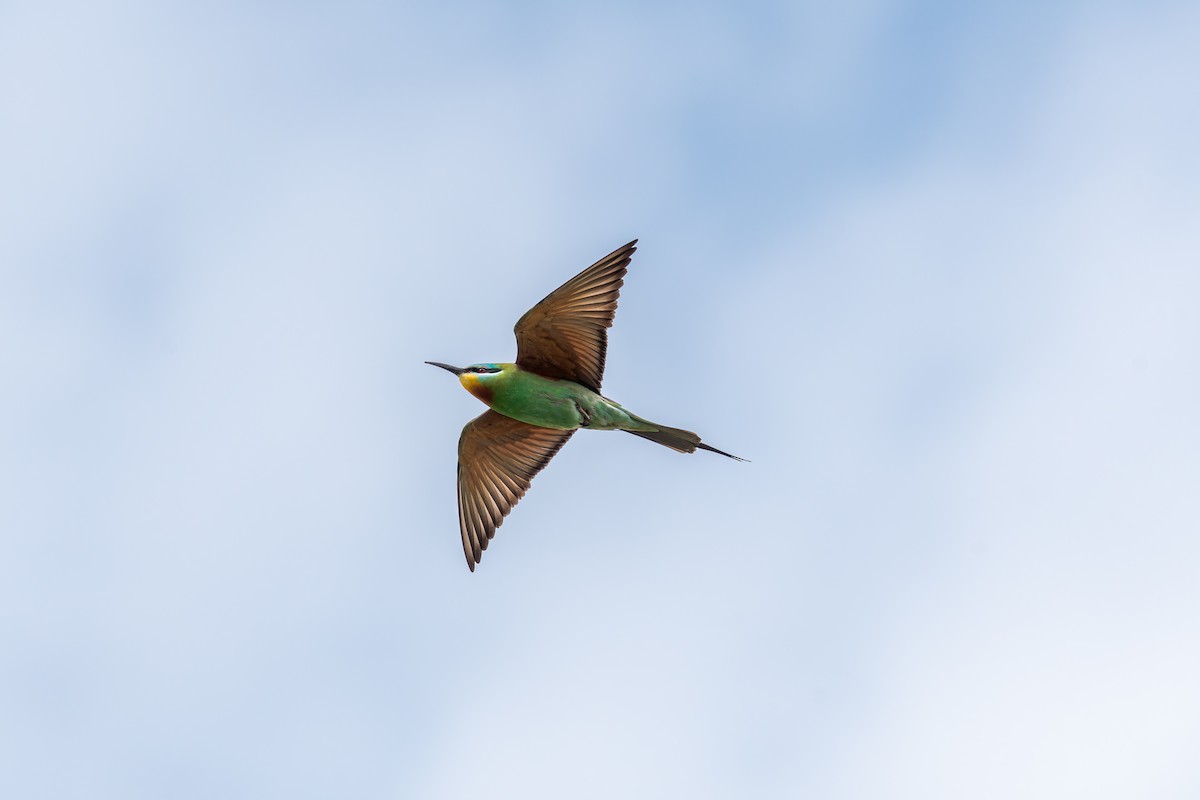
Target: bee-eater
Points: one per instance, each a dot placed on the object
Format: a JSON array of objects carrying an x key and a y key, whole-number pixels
[{"x": 551, "y": 391}]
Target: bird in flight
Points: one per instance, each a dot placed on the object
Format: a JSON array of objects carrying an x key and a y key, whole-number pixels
[{"x": 551, "y": 391}]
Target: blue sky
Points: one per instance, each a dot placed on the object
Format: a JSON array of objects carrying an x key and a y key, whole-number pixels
[{"x": 933, "y": 269}]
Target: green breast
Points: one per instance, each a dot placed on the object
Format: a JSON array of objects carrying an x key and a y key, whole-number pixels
[{"x": 545, "y": 402}]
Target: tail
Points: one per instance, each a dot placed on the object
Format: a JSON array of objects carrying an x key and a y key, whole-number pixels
[{"x": 677, "y": 439}]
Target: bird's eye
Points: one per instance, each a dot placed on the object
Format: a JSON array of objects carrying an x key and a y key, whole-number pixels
[{"x": 481, "y": 370}]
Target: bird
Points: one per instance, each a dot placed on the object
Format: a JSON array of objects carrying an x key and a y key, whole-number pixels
[{"x": 537, "y": 402}]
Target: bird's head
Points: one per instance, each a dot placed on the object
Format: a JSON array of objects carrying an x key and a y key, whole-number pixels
[{"x": 479, "y": 379}]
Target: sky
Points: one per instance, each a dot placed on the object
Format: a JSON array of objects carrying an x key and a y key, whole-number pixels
[{"x": 931, "y": 267}]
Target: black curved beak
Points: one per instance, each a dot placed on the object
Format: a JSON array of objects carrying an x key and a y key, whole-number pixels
[{"x": 455, "y": 370}]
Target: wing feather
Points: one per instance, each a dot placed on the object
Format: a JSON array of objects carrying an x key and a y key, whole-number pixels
[
  {"x": 497, "y": 460},
  {"x": 566, "y": 334}
]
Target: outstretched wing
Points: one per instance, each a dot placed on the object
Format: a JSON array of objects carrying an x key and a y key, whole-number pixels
[
  {"x": 497, "y": 458},
  {"x": 565, "y": 335}
]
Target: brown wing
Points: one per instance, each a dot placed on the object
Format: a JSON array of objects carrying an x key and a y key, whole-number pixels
[
  {"x": 497, "y": 458},
  {"x": 565, "y": 335}
]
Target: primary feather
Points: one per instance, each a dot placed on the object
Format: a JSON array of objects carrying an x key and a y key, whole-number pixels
[
  {"x": 566, "y": 334},
  {"x": 497, "y": 459}
]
